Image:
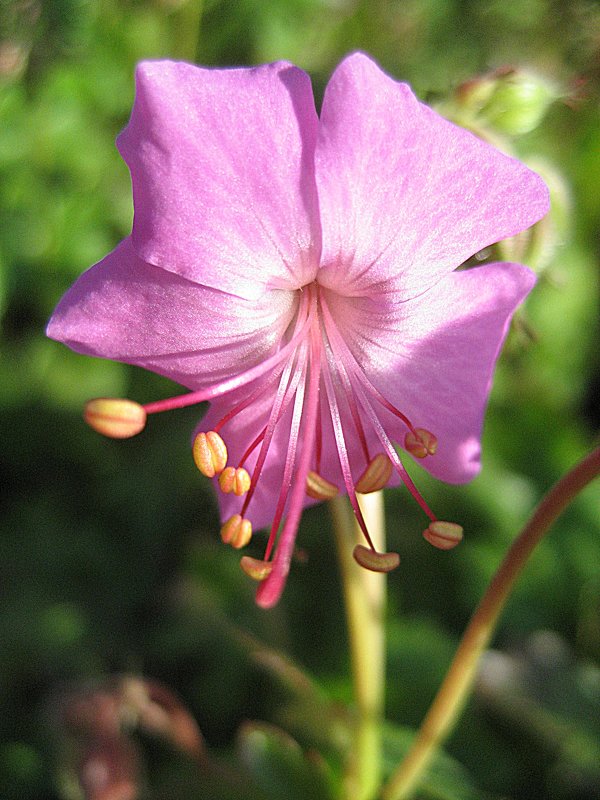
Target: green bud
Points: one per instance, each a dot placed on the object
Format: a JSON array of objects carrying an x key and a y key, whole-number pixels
[{"x": 518, "y": 102}]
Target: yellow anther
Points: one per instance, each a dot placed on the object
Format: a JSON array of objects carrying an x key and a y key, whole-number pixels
[
  {"x": 237, "y": 531},
  {"x": 376, "y": 475},
  {"x": 234, "y": 479},
  {"x": 256, "y": 569},
  {"x": 420, "y": 443},
  {"x": 119, "y": 419},
  {"x": 320, "y": 489},
  {"x": 210, "y": 453},
  {"x": 443, "y": 535},
  {"x": 374, "y": 561}
]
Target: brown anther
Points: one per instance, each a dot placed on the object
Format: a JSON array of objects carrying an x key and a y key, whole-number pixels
[
  {"x": 320, "y": 489},
  {"x": 374, "y": 561},
  {"x": 116, "y": 418},
  {"x": 234, "y": 479},
  {"x": 237, "y": 531},
  {"x": 210, "y": 453},
  {"x": 376, "y": 475},
  {"x": 256, "y": 569},
  {"x": 443, "y": 535},
  {"x": 420, "y": 443}
]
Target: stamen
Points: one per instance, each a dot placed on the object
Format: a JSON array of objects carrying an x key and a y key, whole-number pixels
[
  {"x": 376, "y": 475},
  {"x": 237, "y": 531},
  {"x": 374, "y": 561},
  {"x": 116, "y": 418},
  {"x": 290, "y": 458},
  {"x": 443, "y": 535},
  {"x": 320, "y": 489},
  {"x": 234, "y": 480},
  {"x": 258, "y": 570},
  {"x": 340, "y": 442},
  {"x": 420, "y": 443},
  {"x": 270, "y": 589},
  {"x": 210, "y": 453}
]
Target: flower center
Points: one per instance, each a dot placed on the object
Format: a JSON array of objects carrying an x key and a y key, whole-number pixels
[{"x": 324, "y": 414}]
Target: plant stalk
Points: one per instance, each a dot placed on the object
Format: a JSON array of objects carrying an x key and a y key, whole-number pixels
[
  {"x": 453, "y": 692},
  {"x": 365, "y": 598}
]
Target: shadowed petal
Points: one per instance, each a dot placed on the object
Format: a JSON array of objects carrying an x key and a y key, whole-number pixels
[
  {"x": 223, "y": 174},
  {"x": 127, "y": 310},
  {"x": 405, "y": 196},
  {"x": 433, "y": 357}
]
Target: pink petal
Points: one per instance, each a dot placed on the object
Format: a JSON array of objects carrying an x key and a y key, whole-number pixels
[
  {"x": 404, "y": 195},
  {"x": 433, "y": 357},
  {"x": 223, "y": 174},
  {"x": 127, "y": 310}
]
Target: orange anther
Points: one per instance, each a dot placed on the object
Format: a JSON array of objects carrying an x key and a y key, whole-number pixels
[
  {"x": 320, "y": 489},
  {"x": 443, "y": 535},
  {"x": 420, "y": 443},
  {"x": 234, "y": 479},
  {"x": 237, "y": 531},
  {"x": 376, "y": 475},
  {"x": 256, "y": 569},
  {"x": 374, "y": 561},
  {"x": 210, "y": 453},
  {"x": 119, "y": 419}
]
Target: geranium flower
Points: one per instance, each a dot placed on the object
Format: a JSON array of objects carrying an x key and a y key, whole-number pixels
[{"x": 298, "y": 271}]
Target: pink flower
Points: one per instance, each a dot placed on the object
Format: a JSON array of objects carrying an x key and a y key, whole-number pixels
[{"x": 298, "y": 271}]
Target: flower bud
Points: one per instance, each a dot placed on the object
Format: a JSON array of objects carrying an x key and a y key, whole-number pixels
[
  {"x": 116, "y": 418},
  {"x": 210, "y": 453},
  {"x": 376, "y": 475},
  {"x": 518, "y": 102},
  {"x": 443, "y": 535},
  {"x": 374, "y": 561}
]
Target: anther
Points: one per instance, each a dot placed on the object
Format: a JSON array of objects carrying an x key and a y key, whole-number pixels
[
  {"x": 258, "y": 570},
  {"x": 210, "y": 453},
  {"x": 374, "y": 561},
  {"x": 320, "y": 489},
  {"x": 234, "y": 479},
  {"x": 237, "y": 531},
  {"x": 420, "y": 443},
  {"x": 443, "y": 535},
  {"x": 116, "y": 418},
  {"x": 376, "y": 475}
]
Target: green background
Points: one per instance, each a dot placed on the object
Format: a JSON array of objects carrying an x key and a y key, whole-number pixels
[{"x": 110, "y": 561}]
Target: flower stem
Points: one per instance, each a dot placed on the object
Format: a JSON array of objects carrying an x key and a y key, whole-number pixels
[
  {"x": 453, "y": 692},
  {"x": 364, "y": 595}
]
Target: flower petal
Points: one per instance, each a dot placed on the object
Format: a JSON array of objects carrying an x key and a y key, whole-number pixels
[
  {"x": 433, "y": 357},
  {"x": 127, "y": 310},
  {"x": 406, "y": 196},
  {"x": 223, "y": 174}
]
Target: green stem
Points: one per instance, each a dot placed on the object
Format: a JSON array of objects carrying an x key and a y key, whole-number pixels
[
  {"x": 364, "y": 595},
  {"x": 453, "y": 692}
]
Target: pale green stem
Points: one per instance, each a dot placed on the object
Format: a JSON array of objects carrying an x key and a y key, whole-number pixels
[
  {"x": 364, "y": 595},
  {"x": 453, "y": 692}
]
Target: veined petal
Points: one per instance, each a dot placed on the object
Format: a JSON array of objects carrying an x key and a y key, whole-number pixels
[
  {"x": 433, "y": 357},
  {"x": 127, "y": 310},
  {"x": 223, "y": 174},
  {"x": 406, "y": 196}
]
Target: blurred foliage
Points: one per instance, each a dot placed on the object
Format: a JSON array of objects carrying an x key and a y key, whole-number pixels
[{"x": 108, "y": 557}]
